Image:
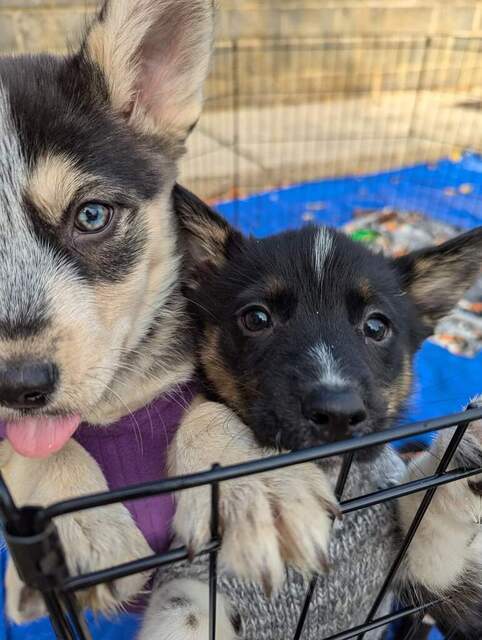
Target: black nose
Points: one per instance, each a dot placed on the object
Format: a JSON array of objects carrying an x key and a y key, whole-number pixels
[
  {"x": 27, "y": 385},
  {"x": 334, "y": 412}
]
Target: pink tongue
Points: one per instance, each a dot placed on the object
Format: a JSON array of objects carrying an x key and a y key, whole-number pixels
[{"x": 40, "y": 437}]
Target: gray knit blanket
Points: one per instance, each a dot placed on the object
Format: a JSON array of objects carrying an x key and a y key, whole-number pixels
[{"x": 362, "y": 548}]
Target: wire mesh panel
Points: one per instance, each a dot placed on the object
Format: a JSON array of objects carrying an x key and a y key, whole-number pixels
[
  {"x": 281, "y": 112},
  {"x": 40, "y": 560}
]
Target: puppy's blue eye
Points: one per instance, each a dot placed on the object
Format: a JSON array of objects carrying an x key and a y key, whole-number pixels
[
  {"x": 93, "y": 217},
  {"x": 255, "y": 319},
  {"x": 377, "y": 328}
]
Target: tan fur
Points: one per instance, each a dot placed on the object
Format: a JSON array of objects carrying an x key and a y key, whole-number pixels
[
  {"x": 81, "y": 355},
  {"x": 86, "y": 535},
  {"x": 109, "y": 322},
  {"x": 261, "y": 515},
  {"x": 53, "y": 184},
  {"x": 449, "y": 539},
  {"x": 162, "y": 95},
  {"x": 111, "y": 46},
  {"x": 274, "y": 287},
  {"x": 211, "y": 245},
  {"x": 128, "y": 306},
  {"x": 217, "y": 372},
  {"x": 423, "y": 281},
  {"x": 366, "y": 290},
  {"x": 451, "y": 274},
  {"x": 399, "y": 391}
]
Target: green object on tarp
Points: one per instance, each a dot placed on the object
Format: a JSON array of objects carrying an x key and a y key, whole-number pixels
[{"x": 365, "y": 235}]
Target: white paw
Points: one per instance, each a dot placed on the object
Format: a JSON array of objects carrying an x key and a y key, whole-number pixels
[
  {"x": 179, "y": 610},
  {"x": 266, "y": 521},
  {"x": 472, "y": 450},
  {"x": 92, "y": 540},
  {"x": 466, "y": 494}
]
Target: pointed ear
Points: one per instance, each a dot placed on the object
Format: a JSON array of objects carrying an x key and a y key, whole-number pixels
[
  {"x": 207, "y": 240},
  {"x": 436, "y": 278},
  {"x": 154, "y": 55}
]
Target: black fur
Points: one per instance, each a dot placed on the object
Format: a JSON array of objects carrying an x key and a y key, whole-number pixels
[
  {"x": 25, "y": 326},
  {"x": 459, "y": 615},
  {"x": 266, "y": 377}
]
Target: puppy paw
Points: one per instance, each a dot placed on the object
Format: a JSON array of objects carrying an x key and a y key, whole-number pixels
[
  {"x": 23, "y": 604},
  {"x": 180, "y": 611},
  {"x": 305, "y": 508},
  {"x": 461, "y": 499},
  {"x": 266, "y": 521},
  {"x": 92, "y": 540},
  {"x": 470, "y": 455}
]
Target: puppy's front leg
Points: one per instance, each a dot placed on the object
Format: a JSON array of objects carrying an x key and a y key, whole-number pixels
[
  {"x": 267, "y": 519},
  {"x": 445, "y": 557},
  {"x": 92, "y": 540},
  {"x": 179, "y": 610}
]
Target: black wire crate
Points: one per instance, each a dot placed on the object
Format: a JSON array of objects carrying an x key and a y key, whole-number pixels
[{"x": 35, "y": 547}]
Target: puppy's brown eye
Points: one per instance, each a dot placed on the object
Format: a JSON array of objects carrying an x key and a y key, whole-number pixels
[
  {"x": 377, "y": 328},
  {"x": 93, "y": 217},
  {"x": 255, "y": 319}
]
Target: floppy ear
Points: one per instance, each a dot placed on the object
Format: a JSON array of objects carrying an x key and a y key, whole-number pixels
[
  {"x": 437, "y": 277},
  {"x": 154, "y": 55},
  {"x": 207, "y": 239}
]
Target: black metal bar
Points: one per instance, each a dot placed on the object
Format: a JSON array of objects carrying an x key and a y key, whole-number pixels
[
  {"x": 20, "y": 526},
  {"x": 419, "y": 89},
  {"x": 415, "y": 486},
  {"x": 306, "y": 607},
  {"x": 236, "y": 181},
  {"x": 382, "y": 621},
  {"x": 413, "y": 624},
  {"x": 69, "y": 624},
  {"x": 423, "y": 507},
  {"x": 9, "y": 513},
  {"x": 177, "y": 555},
  {"x": 58, "y": 618},
  {"x": 76, "y": 617},
  {"x": 87, "y": 580},
  {"x": 213, "y": 557},
  {"x": 343, "y": 475},
  {"x": 7, "y": 505},
  {"x": 181, "y": 483},
  {"x": 340, "y": 487},
  {"x": 330, "y": 42}
]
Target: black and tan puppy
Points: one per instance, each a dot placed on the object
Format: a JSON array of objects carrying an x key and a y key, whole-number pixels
[
  {"x": 307, "y": 338},
  {"x": 308, "y": 335}
]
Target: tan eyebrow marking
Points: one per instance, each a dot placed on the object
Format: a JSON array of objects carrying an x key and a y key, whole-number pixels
[
  {"x": 365, "y": 290},
  {"x": 53, "y": 184}
]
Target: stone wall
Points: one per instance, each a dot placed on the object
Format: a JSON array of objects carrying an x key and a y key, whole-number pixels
[
  {"x": 329, "y": 57},
  {"x": 33, "y": 25}
]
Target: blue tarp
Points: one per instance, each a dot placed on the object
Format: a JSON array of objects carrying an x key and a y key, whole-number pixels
[{"x": 450, "y": 190}]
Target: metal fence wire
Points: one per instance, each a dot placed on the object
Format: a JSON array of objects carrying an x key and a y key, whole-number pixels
[
  {"x": 36, "y": 549},
  {"x": 286, "y": 111},
  {"x": 280, "y": 112}
]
